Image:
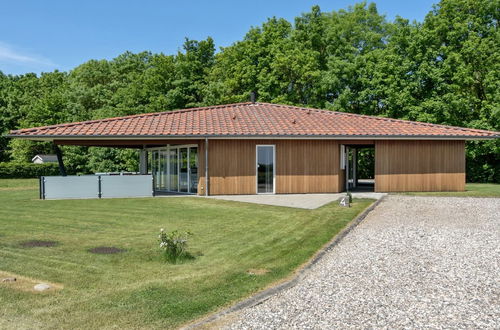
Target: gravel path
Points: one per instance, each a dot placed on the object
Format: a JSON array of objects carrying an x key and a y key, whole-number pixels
[{"x": 414, "y": 262}]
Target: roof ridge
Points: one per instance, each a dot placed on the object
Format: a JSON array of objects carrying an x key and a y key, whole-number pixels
[{"x": 350, "y": 114}]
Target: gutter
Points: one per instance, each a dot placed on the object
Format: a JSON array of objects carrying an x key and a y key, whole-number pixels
[{"x": 243, "y": 137}]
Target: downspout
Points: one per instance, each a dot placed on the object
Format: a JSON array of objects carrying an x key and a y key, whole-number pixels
[
  {"x": 62, "y": 170},
  {"x": 206, "y": 166}
]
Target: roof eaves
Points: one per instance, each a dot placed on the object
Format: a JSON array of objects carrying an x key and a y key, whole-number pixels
[{"x": 263, "y": 136}]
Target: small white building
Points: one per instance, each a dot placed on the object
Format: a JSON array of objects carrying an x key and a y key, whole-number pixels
[{"x": 41, "y": 159}]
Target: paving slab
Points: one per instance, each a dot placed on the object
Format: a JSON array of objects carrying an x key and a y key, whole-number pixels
[{"x": 303, "y": 201}]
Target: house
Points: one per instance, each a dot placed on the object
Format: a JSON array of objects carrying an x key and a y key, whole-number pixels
[
  {"x": 40, "y": 159},
  {"x": 262, "y": 148}
]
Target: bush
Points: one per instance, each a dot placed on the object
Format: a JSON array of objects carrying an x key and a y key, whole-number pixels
[
  {"x": 27, "y": 170},
  {"x": 174, "y": 245}
]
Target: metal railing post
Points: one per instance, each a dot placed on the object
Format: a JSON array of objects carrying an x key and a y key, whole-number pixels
[
  {"x": 41, "y": 183},
  {"x": 153, "y": 184},
  {"x": 99, "y": 185}
]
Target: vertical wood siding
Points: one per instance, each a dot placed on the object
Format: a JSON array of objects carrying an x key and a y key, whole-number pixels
[
  {"x": 231, "y": 167},
  {"x": 419, "y": 166},
  {"x": 302, "y": 166},
  {"x": 201, "y": 168},
  {"x": 307, "y": 166}
]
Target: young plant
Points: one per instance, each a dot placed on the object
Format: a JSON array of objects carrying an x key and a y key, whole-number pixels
[{"x": 174, "y": 245}]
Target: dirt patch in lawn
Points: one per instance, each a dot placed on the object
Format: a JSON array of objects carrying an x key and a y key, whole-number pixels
[
  {"x": 38, "y": 243},
  {"x": 23, "y": 283},
  {"x": 106, "y": 250},
  {"x": 258, "y": 271}
]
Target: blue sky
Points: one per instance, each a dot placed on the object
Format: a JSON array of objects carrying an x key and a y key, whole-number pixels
[{"x": 39, "y": 36}]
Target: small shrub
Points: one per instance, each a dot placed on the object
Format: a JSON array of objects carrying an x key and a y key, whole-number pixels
[
  {"x": 174, "y": 245},
  {"x": 350, "y": 196}
]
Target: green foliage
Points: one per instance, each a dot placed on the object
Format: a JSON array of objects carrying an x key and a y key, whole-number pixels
[
  {"x": 366, "y": 163},
  {"x": 27, "y": 170},
  {"x": 444, "y": 70},
  {"x": 22, "y": 151},
  {"x": 174, "y": 245}
]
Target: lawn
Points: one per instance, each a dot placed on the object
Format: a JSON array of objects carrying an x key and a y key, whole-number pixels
[
  {"x": 137, "y": 289},
  {"x": 471, "y": 190}
]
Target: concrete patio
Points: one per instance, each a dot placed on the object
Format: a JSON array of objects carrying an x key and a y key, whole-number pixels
[{"x": 303, "y": 201}]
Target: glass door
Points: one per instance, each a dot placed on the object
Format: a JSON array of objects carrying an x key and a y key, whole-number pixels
[
  {"x": 265, "y": 169},
  {"x": 350, "y": 168},
  {"x": 155, "y": 168},
  {"x": 183, "y": 170},
  {"x": 162, "y": 170},
  {"x": 193, "y": 170},
  {"x": 175, "y": 169},
  {"x": 173, "y": 177},
  {"x": 159, "y": 170}
]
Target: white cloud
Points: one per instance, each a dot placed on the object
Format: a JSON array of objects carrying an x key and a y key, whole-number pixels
[{"x": 9, "y": 54}]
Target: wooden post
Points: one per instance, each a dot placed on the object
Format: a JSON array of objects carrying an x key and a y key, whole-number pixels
[
  {"x": 62, "y": 169},
  {"x": 354, "y": 167},
  {"x": 143, "y": 161},
  {"x": 206, "y": 166}
]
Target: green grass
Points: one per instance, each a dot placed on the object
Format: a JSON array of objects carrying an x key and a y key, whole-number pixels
[
  {"x": 137, "y": 289},
  {"x": 471, "y": 190}
]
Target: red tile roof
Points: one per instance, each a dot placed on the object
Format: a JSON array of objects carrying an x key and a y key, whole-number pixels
[{"x": 251, "y": 120}]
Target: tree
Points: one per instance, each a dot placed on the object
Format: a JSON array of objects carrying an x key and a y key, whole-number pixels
[
  {"x": 444, "y": 70},
  {"x": 452, "y": 62}
]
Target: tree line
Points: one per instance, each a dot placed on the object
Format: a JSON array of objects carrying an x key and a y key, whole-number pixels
[{"x": 444, "y": 70}]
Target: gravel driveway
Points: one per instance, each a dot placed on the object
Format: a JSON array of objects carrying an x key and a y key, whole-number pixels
[{"x": 414, "y": 262}]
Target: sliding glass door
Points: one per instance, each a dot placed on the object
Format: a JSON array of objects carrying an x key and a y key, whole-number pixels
[
  {"x": 173, "y": 177},
  {"x": 193, "y": 169},
  {"x": 175, "y": 169},
  {"x": 183, "y": 170},
  {"x": 159, "y": 170},
  {"x": 265, "y": 169}
]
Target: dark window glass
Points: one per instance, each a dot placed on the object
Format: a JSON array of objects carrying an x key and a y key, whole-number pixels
[{"x": 265, "y": 169}]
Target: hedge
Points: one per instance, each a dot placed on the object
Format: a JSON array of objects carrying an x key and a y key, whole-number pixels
[{"x": 27, "y": 170}]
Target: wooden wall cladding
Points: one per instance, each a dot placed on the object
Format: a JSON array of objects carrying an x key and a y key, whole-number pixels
[
  {"x": 419, "y": 166},
  {"x": 307, "y": 166},
  {"x": 201, "y": 168},
  {"x": 302, "y": 166},
  {"x": 231, "y": 167}
]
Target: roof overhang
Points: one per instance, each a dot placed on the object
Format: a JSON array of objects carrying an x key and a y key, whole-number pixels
[
  {"x": 250, "y": 121},
  {"x": 50, "y": 138}
]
